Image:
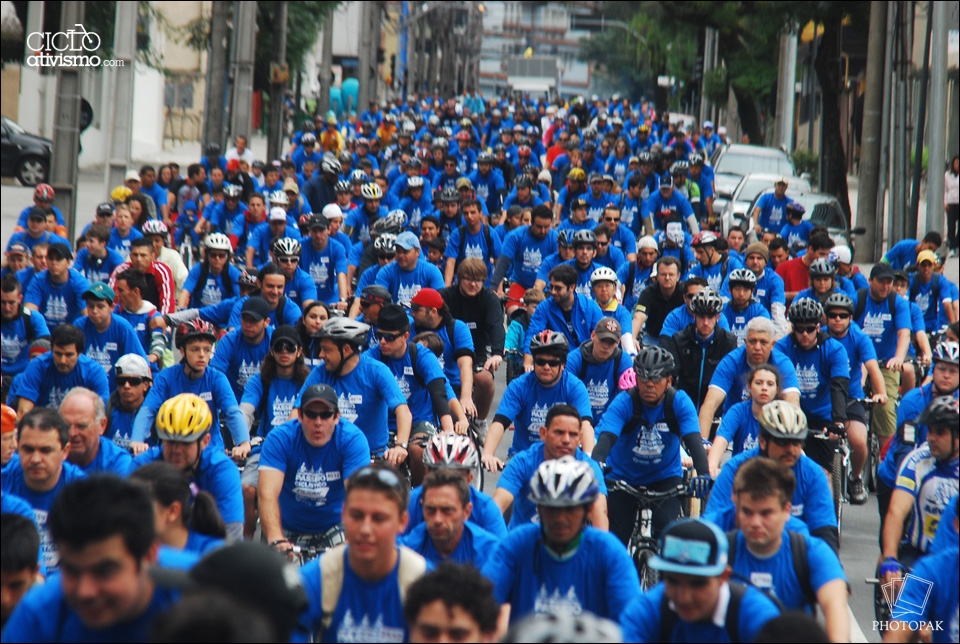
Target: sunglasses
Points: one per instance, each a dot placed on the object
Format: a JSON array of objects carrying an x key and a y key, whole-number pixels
[
  {"x": 802, "y": 330},
  {"x": 692, "y": 581},
  {"x": 387, "y": 337},
  {"x": 600, "y": 243},
  {"x": 133, "y": 381},
  {"x": 611, "y": 219},
  {"x": 289, "y": 260},
  {"x": 784, "y": 442},
  {"x": 220, "y": 255},
  {"x": 543, "y": 362},
  {"x": 386, "y": 257},
  {"x": 838, "y": 316},
  {"x": 285, "y": 347},
  {"x": 313, "y": 415},
  {"x": 365, "y": 303}
]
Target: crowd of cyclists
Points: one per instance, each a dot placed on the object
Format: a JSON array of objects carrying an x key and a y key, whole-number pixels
[{"x": 248, "y": 364}]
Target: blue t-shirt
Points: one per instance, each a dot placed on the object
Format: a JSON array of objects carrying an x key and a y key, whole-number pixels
[
  {"x": 488, "y": 188},
  {"x": 313, "y": 492},
  {"x": 911, "y": 406},
  {"x": 43, "y": 384},
  {"x": 613, "y": 259},
  {"x": 461, "y": 344},
  {"x": 601, "y": 380},
  {"x": 301, "y": 288},
  {"x": 947, "y": 536},
  {"x": 583, "y": 318},
  {"x": 932, "y": 483},
  {"x": 903, "y": 255},
  {"x": 640, "y": 622},
  {"x": 772, "y": 211},
  {"x": 261, "y": 237},
  {"x": 740, "y": 427},
  {"x": 216, "y": 474},
  {"x": 776, "y": 573},
  {"x": 737, "y": 320},
  {"x": 120, "y": 427},
  {"x": 656, "y": 206},
  {"x": 882, "y": 327},
  {"x": 815, "y": 369},
  {"x": 924, "y": 299},
  {"x": 797, "y": 234},
  {"x": 651, "y": 451},
  {"x": 404, "y": 285},
  {"x": 202, "y": 543},
  {"x": 213, "y": 292},
  {"x": 680, "y": 318},
  {"x": 323, "y": 266},
  {"x": 532, "y": 580},
  {"x": 239, "y": 359},
  {"x": 12, "y": 482},
  {"x": 475, "y": 547},
  {"x": 731, "y": 374},
  {"x": 474, "y": 245},
  {"x": 106, "y": 348},
  {"x": 769, "y": 289},
  {"x": 595, "y": 204},
  {"x": 527, "y": 253},
  {"x": 110, "y": 459},
  {"x": 13, "y": 339},
  {"x": 417, "y": 395},
  {"x": 24, "y": 238},
  {"x": 365, "y": 395},
  {"x": 365, "y": 612},
  {"x": 526, "y": 403},
  {"x": 96, "y": 269},
  {"x": 122, "y": 244},
  {"x": 485, "y": 513},
  {"x": 291, "y": 313},
  {"x": 59, "y": 303},
  {"x": 640, "y": 277},
  {"x": 278, "y": 403},
  {"x": 938, "y": 600},
  {"x": 715, "y": 274},
  {"x": 811, "y": 503},
  {"x": 516, "y": 480},
  {"x": 859, "y": 351}
]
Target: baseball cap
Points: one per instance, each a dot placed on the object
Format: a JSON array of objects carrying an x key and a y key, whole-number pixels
[
  {"x": 18, "y": 248},
  {"x": 376, "y": 294},
  {"x": 579, "y": 203},
  {"x": 233, "y": 165},
  {"x": 608, "y": 328},
  {"x": 842, "y": 254},
  {"x": 428, "y": 297},
  {"x": 291, "y": 185},
  {"x": 256, "y": 307},
  {"x": 106, "y": 210},
  {"x": 37, "y": 213},
  {"x": 100, "y": 291},
  {"x": 38, "y": 347},
  {"x": 545, "y": 176},
  {"x": 285, "y": 332},
  {"x": 332, "y": 211},
  {"x": 393, "y": 318},
  {"x": 595, "y": 176},
  {"x": 692, "y": 547},
  {"x": 666, "y": 180},
  {"x": 132, "y": 175},
  {"x": 277, "y": 213},
  {"x": 927, "y": 256},
  {"x": 881, "y": 271},
  {"x": 319, "y": 393},
  {"x": 319, "y": 221},
  {"x": 464, "y": 182},
  {"x": 901, "y": 276},
  {"x": 647, "y": 241},
  {"x": 59, "y": 249},
  {"x": 408, "y": 241},
  {"x": 708, "y": 125},
  {"x": 781, "y": 179},
  {"x": 760, "y": 249},
  {"x": 132, "y": 364}
]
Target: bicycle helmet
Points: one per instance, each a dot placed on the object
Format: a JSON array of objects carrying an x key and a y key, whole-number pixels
[
  {"x": 585, "y": 628},
  {"x": 943, "y": 411},
  {"x": 120, "y": 194},
  {"x": 218, "y": 241},
  {"x": 839, "y": 300},
  {"x": 603, "y": 274},
  {"x": 563, "y": 483},
  {"x": 451, "y": 451},
  {"x": 43, "y": 192},
  {"x": 499, "y": 147},
  {"x": 822, "y": 267},
  {"x": 197, "y": 329},
  {"x": 386, "y": 244},
  {"x": 524, "y": 151},
  {"x": 330, "y": 165},
  {"x": 395, "y": 219},
  {"x": 154, "y": 227},
  {"x": 946, "y": 351},
  {"x": 549, "y": 342},
  {"x": 286, "y": 247},
  {"x": 449, "y": 195},
  {"x": 744, "y": 277},
  {"x": 679, "y": 168},
  {"x": 232, "y": 191},
  {"x": 645, "y": 156},
  {"x": 780, "y": 419},
  {"x": 185, "y": 418},
  {"x": 485, "y": 157},
  {"x": 577, "y": 174},
  {"x": 279, "y": 198},
  {"x": 463, "y": 135},
  {"x": 441, "y": 142},
  {"x": 344, "y": 330},
  {"x": 433, "y": 120},
  {"x": 696, "y": 159},
  {"x": 524, "y": 181},
  {"x": 371, "y": 191},
  {"x": 563, "y": 239},
  {"x": 707, "y": 302},
  {"x": 408, "y": 127},
  {"x": 132, "y": 364},
  {"x": 704, "y": 238},
  {"x": 805, "y": 311},
  {"x": 794, "y": 207},
  {"x": 212, "y": 150},
  {"x": 358, "y": 177},
  {"x": 308, "y": 139},
  {"x": 105, "y": 210},
  {"x": 653, "y": 363},
  {"x": 342, "y": 186},
  {"x": 248, "y": 280},
  {"x": 414, "y": 183},
  {"x": 582, "y": 237}
]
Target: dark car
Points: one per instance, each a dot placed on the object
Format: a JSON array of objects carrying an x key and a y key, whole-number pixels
[{"x": 24, "y": 156}]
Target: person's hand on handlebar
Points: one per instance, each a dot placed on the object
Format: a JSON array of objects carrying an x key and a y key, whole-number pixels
[
  {"x": 700, "y": 486},
  {"x": 492, "y": 463},
  {"x": 880, "y": 398}
]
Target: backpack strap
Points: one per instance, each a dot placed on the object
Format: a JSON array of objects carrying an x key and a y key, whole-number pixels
[
  {"x": 201, "y": 283},
  {"x": 732, "y": 620},
  {"x": 631, "y": 276},
  {"x": 801, "y": 567},
  {"x": 861, "y": 304},
  {"x": 412, "y": 567},
  {"x": 892, "y": 303},
  {"x": 331, "y": 568},
  {"x": 669, "y": 414},
  {"x": 583, "y": 363},
  {"x": 668, "y": 619},
  {"x": 31, "y": 333},
  {"x": 280, "y": 306}
]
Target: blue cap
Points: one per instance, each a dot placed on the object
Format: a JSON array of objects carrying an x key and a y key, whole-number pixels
[
  {"x": 408, "y": 241},
  {"x": 692, "y": 547}
]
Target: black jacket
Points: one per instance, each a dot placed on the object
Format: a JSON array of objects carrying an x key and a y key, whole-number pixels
[
  {"x": 484, "y": 315},
  {"x": 696, "y": 363}
]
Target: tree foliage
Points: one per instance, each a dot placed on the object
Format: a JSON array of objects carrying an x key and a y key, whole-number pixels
[{"x": 304, "y": 22}]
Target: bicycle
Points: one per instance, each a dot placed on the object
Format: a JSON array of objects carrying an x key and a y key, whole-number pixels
[
  {"x": 839, "y": 468},
  {"x": 872, "y": 461},
  {"x": 478, "y": 435},
  {"x": 642, "y": 545}
]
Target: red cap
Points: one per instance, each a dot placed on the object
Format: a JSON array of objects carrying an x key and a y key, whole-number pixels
[
  {"x": 233, "y": 165},
  {"x": 428, "y": 297}
]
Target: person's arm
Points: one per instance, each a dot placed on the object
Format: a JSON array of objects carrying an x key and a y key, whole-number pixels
[
  {"x": 396, "y": 455},
  {"x": 832, "y": 598},
  {"x": 598, "y": 514},
  {"x": 449, "y": 270},
  {"x": 503, "y": 499},
  {"x": 344, "y": 287},
  {"x": 465, "y": 364},
  {"x": 588, "y": 438},
  {"x": 500, "y": 270},
  {"x": 494, "y": 436},
  {"x": 711, "y": 403},
  {"x": 756, "y": 219},
  {"x": 460, "y": 422},
  {"x": 903, "y": 343},
  {"x": 268, "y": 499},
  {"x": 923, "y": 342},
  {"x": 24, "y": 406},
  {"x": 716, "y": 454},
  {"x": 901, "y": 503},
  {"x": 876, "y": 378},
  {"x": 250, "y": 254},
  {"x": 639, "y": 317},
  {"x": 441, "y": 408}
]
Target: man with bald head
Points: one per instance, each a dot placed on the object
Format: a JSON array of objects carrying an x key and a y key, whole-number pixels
[{"x": 84, "y": 411}]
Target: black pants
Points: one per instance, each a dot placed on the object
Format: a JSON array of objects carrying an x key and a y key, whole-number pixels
[
  {"x": 953, "y": 218},
  {"x": 622, "y": 510},
  {"x": 884, "y": 492}
]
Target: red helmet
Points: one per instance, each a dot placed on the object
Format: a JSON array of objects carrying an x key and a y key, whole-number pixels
[
  {"x": 524, "y": 150},
  {"x": 194, "y": 330},
  {"x": 463, "y": 135},
  {"x": 43, "y": 192}
]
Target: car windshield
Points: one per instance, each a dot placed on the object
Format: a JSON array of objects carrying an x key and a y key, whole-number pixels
[
  {"x": 744, "y": 164},
  {"x": 16, "y": 129},
  {"x": 752, "y": 187}
]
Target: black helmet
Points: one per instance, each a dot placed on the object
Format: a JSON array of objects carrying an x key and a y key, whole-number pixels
[
  {"x": 805, "y": 311},
  {"x": 653, "y": 363},
  {"x": 449, "y": 195},
  {"x": 212, "y": 150},
  {"x": 942, "y": 411},
  {"x": 549, "y": 342},
  {"x": 563, "y": 239},
  {"x": 195, "y": 330},
  {"x": 946, "y": 351},
  {"x": 582, "y": 237},
  {"x": 822, "y": 267},
  {"x": 839, "y": 300},
  {"x": 707, "y": 302}
]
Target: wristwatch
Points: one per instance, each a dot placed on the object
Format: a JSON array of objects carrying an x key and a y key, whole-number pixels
[{"x": 404, "y": 446}]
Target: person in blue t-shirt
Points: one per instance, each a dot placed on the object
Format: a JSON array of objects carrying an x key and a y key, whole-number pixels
[
  {"x": 667, "y": 203},
  {"x": 263, "y": 235},
  {"x": 299, "y": 288},
  {"x": 471, "y": 239},
  {"x": 562, "y": 565},
  {"x": 762, "y": 550},
  {"x": 19, "y": 327},
  {"x": 107, "y": 336},
  {"x": 696, "y": 601},
  {"x": 740, "y": 426},
  {"x": 272, "y": 283},
  {"x": 36, "y": 232},
  {"x": 635, "y": 276},
  {"x": 240, "y": 352},
  {"x": 599, "y": 363},
  {"x": 58, "y": 291},
  {"x": 99, "y": 523},
  {"x": 768, "y": 290},
  {"x": 134, "y": 379},
  {"x": 365, "y": 574},
  {"x": 430, "y": 313},
  {"x": 931, "y": 291},
  {"x": 918, "y": 608},
  {"x": 560, "y": 436},
  {"x": 95, "y": 261},
  {"x": 681, "y": 317},
  {"x": 528, "y": 399},
  {"x": 783, "y": 430},
  {"x": 20, "y": 549},
  {"x": 213, "y": 280},
  {"x": 324, "y": 260},
  {"x": 741, "y": 308},
  {"x": 48, "y": 378},
  {"x": 919, "y": 341},
  {"x": 640, "y": 436},
  {"x": 523, "y": 252},
  {"x": 797, "y": 229},
  {"x": 303, "y": 466},
  {"x": 712, "y": 264},
  {"x": 409, "y": 273},
  {"x": 771, "y": 208},
  {"x": 84, "y": 411},
  {"x": 578, "y": 219},
  {"x": 904, "y": 254}
]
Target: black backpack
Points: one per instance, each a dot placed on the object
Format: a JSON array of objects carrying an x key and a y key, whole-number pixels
[
  {"x": 801, "y": 567},
  {"x": 617, "y": 353},
  {"x": 202, "y": 282},
  {"x": 669, "y": 415},
  {"x": 669, "y": 618},
  {"x": 862, "y": 304}
]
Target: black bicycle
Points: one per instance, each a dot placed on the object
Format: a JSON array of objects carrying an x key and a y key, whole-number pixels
[
  {"x": 872, "y": 460},
  {"x": 642, "y": 545},
  {"x": 839, "y": 466}
]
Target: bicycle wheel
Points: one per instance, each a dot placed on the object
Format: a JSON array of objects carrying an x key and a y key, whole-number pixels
[
  {"x": 880, "y": 608},
  {"x": 873, "y": 461},
  {"x": 836, "y": 483},
  {"x": 648, "y": 576},
  {"x": 473, "y": 431}
]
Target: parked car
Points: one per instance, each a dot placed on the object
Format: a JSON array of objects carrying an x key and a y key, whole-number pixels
[
  {"x": 822, "y": 210},
  {"x": 24, "y": 156},
  {"x": 732, "y": 162},
  {"x": 736, "y": 210}
]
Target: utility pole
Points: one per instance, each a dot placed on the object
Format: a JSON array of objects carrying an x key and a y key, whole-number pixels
[
  {"x": 66, "y": 128},
  {"x": 870, "y": 163},
  {"x": 376, "y": 8},
  {"x": 921, "y": 121},
  {"x": 213, "y": 125},
  {"x": 278, "y": 81},
  {"x": 885, "y": 207},
  {"x": 326, "y": 68},
  {"x": 245, "y": 30},
  {"x": 938, "y": 113},
  {"x": 363, "y": 58},
  {"x": 786, "y": 90},
  {"x": 120, "y": 127}
]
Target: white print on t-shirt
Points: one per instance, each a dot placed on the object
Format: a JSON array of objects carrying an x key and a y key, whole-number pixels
[
  {"x": 473, "y": 250},
  {"x": 873, "y": 324},
  {"x": 649, "y": 443},
  {"x": 599, "y": 393},
  {"x": 407, "y": 293},
  {"x": 247, "y": 371},
  {"x": 538, "y": 418},
  {"x": 348, "y": 405},
  {"x": 12, "y": 346},
  {"x": 281, "y": 409},
  {"x": 556, "y": 603},
  {"x": 319, "y": 272},
  {"x": 310, "y": 485},
  {"x": 809, "y": 379},
  {"x": 56, "y": 309},
  {"x": 101, "y": 356},
  {"x": 51, "y": 556},
  {"x": 532, "y": 258},
  {"x": 363, "y": 631},
  {"x": 210, "y": 294}
]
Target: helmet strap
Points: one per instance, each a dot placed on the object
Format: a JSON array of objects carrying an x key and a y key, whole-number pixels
[{"x": 565, "y": 552}]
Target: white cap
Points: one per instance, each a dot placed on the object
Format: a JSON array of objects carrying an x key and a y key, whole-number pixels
[
  {"x": 647, "y": 242},
  {"x": 278, "y": 214},
  {"x": 781, "y": 179},
  {"x": 722, "y": 130},
  {"x": 332, "y": 211},
  {"x": 132, "y": 175},
  {"x": 133, "y": 365},
  {"x": 545, "y": 176},
  {"x": 842, "y": 254}
]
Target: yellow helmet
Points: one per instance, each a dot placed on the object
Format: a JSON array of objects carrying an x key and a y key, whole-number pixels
[
  {"x": 185, "y": 418},
  {"x": 577, "y": 174},
  {"x": 120, "y": 194}
]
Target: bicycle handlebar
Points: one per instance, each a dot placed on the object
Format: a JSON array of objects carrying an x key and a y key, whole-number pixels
[{"x": 644, "y": 493}]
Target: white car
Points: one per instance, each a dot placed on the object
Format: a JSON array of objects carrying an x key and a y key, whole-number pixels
[{"x": 736, "y": 210}]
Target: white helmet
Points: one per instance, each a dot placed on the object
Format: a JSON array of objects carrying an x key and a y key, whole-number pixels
[
  {"x": 279, "y": 197},
  {"x": 781, "y": 419},
  {"x": 332, "y": 211},
  {"x": 218, "y": 241},
  {"x": 841, "y": 255},
  {"x": 564, "y": 482},
  {"x": 647, "y": 241},
  {"x": 154, "y": 227},
  {"x": 603, "y": 274},
  {"x": 451, "y": 451}
]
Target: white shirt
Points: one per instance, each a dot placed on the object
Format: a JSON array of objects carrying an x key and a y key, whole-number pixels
[{"x": 247, "y": 155}]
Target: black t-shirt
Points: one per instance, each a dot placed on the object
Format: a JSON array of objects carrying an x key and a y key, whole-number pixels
[
  {"x": 483, "y": 314},
  {"x": 652, "y": 302}
]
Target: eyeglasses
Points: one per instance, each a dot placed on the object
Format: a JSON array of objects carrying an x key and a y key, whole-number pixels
[
  {"x": 802, "y": 330},
  {"x": 313, "y": 415},
  {"x": 600, "y": 243},
  {"x": 217, "y": 255},
  {"x": 289, "y": 260},
  {"x": 385, "y": 257},
  {"x": 611, "y": 219},
  {"x": 387, "y": 337},
  {"x": 543, "y": 362},
  {"x": 133, "y": 381},
  {"x": 285, "y": 347},
  {"x": 838, "y": 316}
]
